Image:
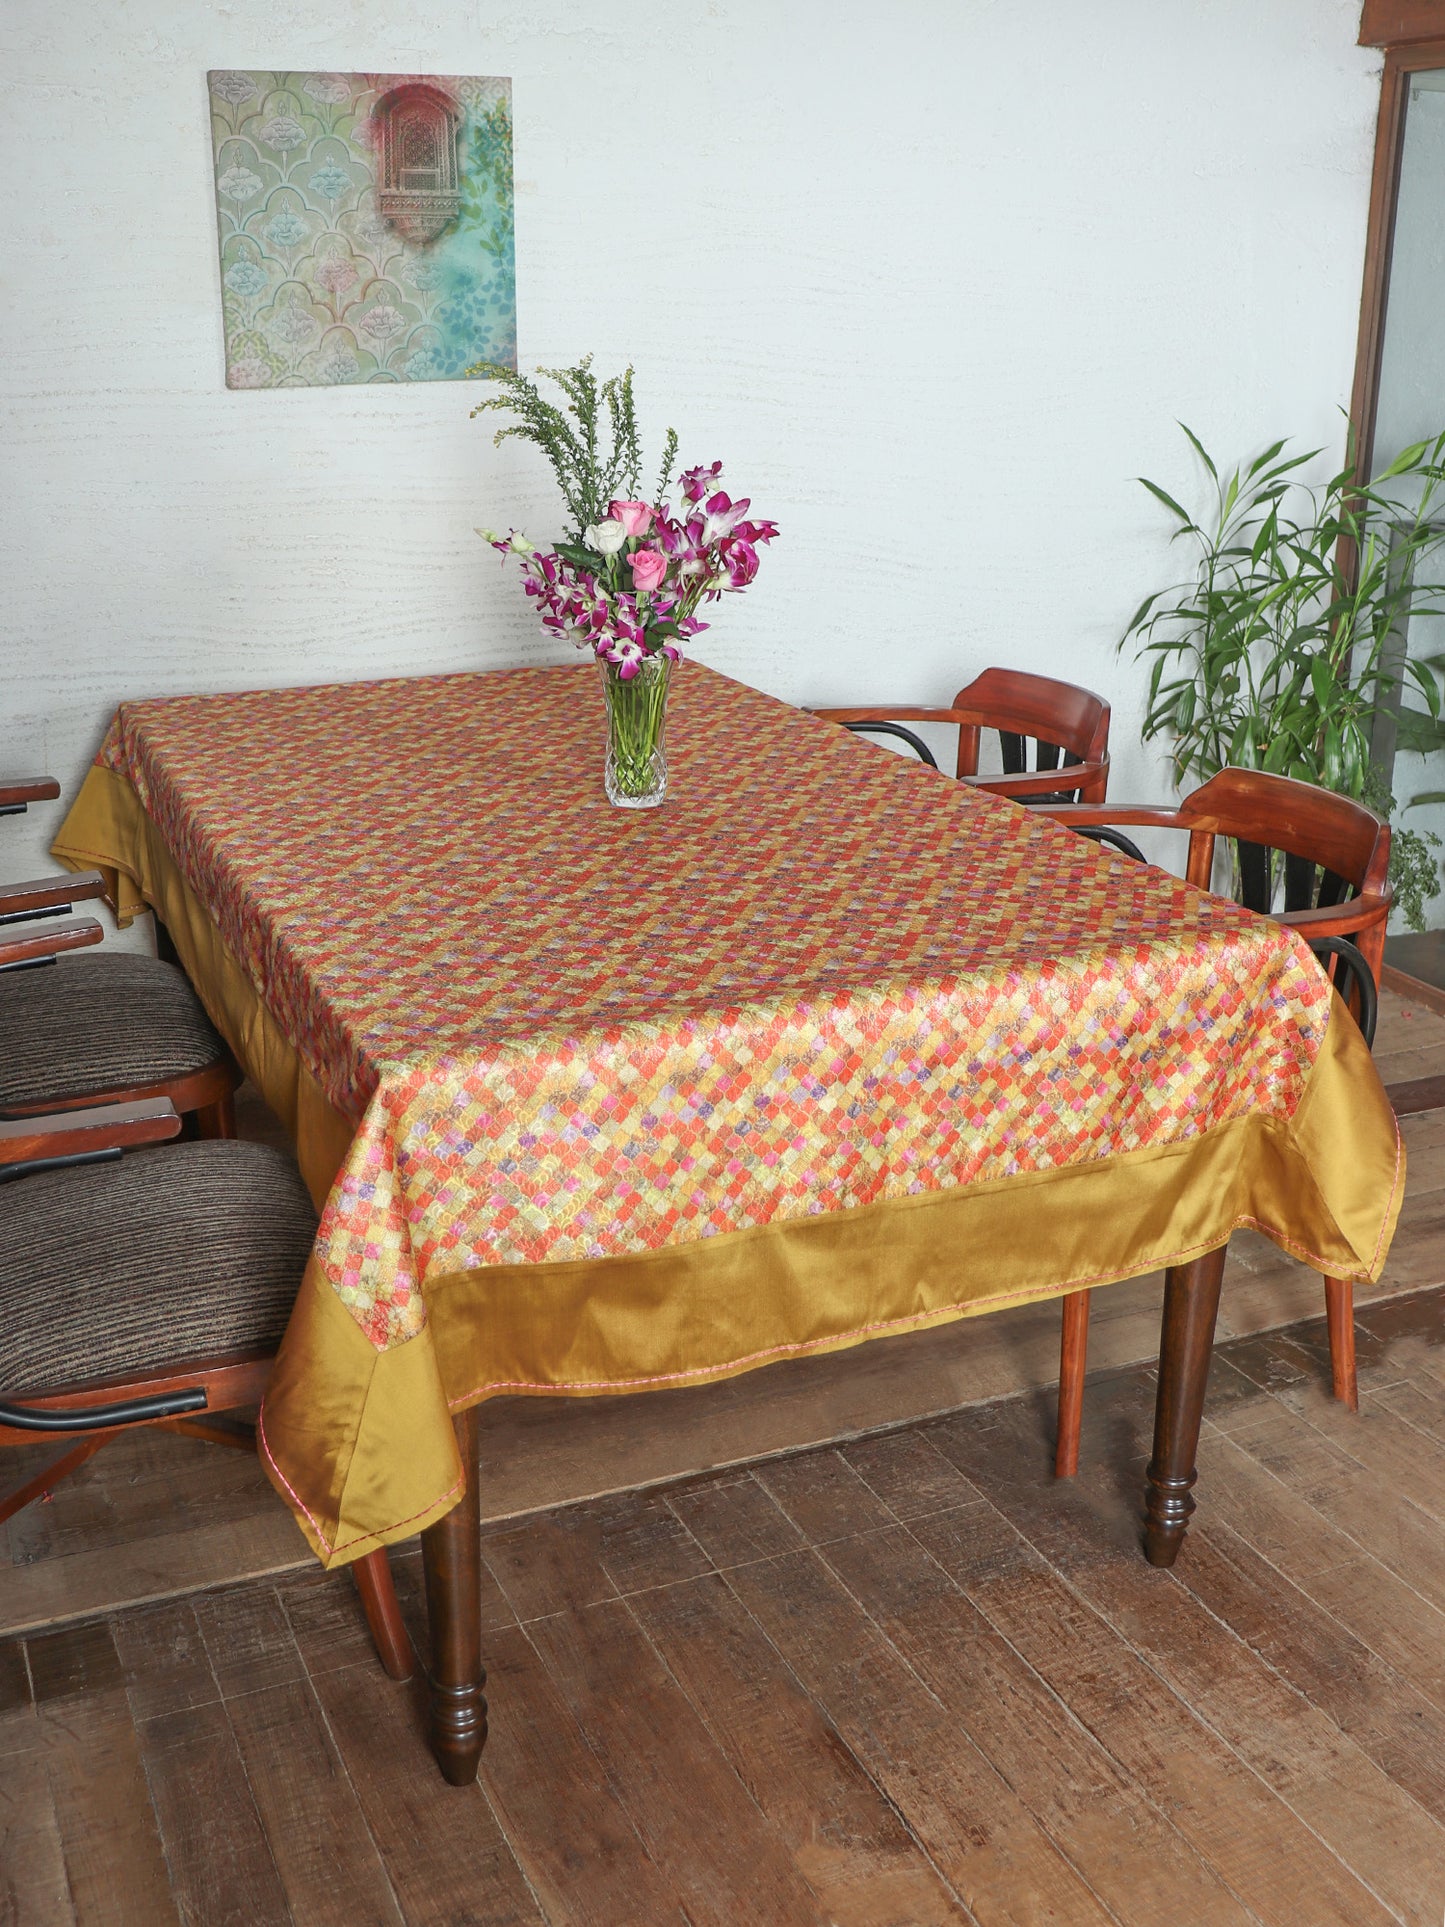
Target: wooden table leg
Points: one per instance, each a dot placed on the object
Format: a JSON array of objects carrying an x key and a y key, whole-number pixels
[
  {"x": 452, "y": 1560},
  {"x": 1191, "y": 1302}
]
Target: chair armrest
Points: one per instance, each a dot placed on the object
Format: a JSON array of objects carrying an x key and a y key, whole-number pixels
[
  {"x": 884, "y": 713},
  {"x": 17, "y": 791},
  {"x": 44, "y": 896},
  {"x": 1043, "y": 782},
  {"x": 1344, "y": 963},
  {"x": 1100, "y": 815},
  {"x": 1340, "y": 919},
  {"x": 25, "y": 943},
  {"x": 104, "y": 1418},
  {"x": 69, "y": 1134}
]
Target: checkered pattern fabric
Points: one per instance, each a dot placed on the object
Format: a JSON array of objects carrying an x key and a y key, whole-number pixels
[{"x": 818, "y": 977}]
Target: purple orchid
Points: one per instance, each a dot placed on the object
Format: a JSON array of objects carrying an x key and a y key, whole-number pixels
[
  {"x": 626, "y": 657},
  {"x": 720, "y": 517},
  {"x": 696, "y": 482},
  {"x": 740, "y": 560},
  {"x": 640, "y": 598}
]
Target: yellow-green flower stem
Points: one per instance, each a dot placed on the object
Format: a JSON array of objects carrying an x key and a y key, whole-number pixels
[{"x": 636, "y": 711}]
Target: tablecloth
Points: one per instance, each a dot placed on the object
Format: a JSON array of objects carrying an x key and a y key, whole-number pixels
[{"x": 830, "y": 1046}]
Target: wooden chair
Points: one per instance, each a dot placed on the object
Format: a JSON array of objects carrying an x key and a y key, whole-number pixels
[
  {"x": 18, "y": 792},
  {"x": 114, "y": 1027},
  {"x": 1068, "y": 726},
  {"x": 149, "y": 1290},
  {"x": 1336, "y": 894}
]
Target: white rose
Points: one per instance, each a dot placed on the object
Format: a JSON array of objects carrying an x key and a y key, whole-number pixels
[{"x": 606, "y": 537}]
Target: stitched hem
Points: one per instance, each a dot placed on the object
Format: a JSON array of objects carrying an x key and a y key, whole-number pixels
[
  {"x": 873, "y": 1329},
  {"x": 340, "y": 1545},
  {"x": 880, "y": 1327}
]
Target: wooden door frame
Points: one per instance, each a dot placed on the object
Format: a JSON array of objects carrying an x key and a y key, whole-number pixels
[
  {"x": 1412, "y": 32},
  {"x": 1389, "y": 23}
]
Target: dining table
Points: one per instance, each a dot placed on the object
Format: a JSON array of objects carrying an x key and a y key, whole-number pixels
[{"x": 828, "y": 1048}]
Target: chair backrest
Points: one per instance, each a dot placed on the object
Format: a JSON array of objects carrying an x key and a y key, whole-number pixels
[
  {"x": 1334, "y": 848},
  {"x": 1336, "y": 854},
  {"x": 1068, "y": 725},
  {"x": 1336, "y": 865}
]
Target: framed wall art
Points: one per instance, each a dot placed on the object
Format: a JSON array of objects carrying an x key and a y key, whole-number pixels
[{"x": 365, "y": 226}]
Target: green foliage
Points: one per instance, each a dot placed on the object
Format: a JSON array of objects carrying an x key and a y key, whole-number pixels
[
  {"x": 669, "y": 460},
  {"x": 1414, "y": 868},
  {"x": 486, "y": 187},
  {"x": 1414, "y": 872},
  {"x": 489, "y": 164},
  {"x": 1274, "y": 654},
  {"x": 594, "y": 462}
]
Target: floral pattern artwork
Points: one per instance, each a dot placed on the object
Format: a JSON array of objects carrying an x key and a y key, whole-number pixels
[{"x": 365, "y": 226}]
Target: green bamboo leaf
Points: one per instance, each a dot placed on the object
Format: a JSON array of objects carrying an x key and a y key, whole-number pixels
[
  {"x": 1137, "y": 619},
  {"x": 1407, "y": 459},
  {"x": 1331, "y": 759},
  {"x": 1275, "y": 478},
  {"x": 1426, "y": 683},
  {"x": 1354, "y": 755},
  {"x": 1264, "y": 460},
  {"x": 1419, "y": 732},
  {"x": 1200, "y": 450},
  {"x": 1168, "y": 500}
]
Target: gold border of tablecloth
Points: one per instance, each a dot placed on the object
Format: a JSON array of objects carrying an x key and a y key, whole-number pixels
[{"x": 359, "y": 1440}]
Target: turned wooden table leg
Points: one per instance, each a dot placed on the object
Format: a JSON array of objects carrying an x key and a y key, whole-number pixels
[
  {"x": 452, "y": 1559},
  {"x": 1191, "y": 1302}
]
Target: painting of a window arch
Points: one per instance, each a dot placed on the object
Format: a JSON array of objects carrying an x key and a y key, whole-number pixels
[
  {"x": 365, "y": 225},
  {"x": 415, "y": 137}
]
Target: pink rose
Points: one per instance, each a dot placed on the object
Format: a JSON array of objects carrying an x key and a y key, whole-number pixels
[
  {"x": 635, "y": 517},
  {"x": 648, "y": 569}
]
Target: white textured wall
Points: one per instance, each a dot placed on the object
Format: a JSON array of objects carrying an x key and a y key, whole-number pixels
[{"x": 933, "y": 279}]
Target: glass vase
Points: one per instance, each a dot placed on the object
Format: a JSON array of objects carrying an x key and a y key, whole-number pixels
[{"x": 636, "y": 774}]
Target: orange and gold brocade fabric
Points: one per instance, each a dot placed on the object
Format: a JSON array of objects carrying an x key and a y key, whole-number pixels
[{"x": 829, "y": 1045}]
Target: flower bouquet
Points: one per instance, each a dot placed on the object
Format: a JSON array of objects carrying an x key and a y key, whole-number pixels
[{"x": 630, "y": 584}]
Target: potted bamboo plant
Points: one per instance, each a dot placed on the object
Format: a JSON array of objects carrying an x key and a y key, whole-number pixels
[{"x": 1283, "y": 648}]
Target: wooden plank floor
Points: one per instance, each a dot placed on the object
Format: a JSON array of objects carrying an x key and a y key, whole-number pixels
[
  {"x": 903, "y": 1681},
  {"x": 153, "y": 1517}
]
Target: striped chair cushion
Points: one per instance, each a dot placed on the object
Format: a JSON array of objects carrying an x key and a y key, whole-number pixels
[
  {"x": 99, "y": 1023},
  {"x": 176, "y": 1254}
]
